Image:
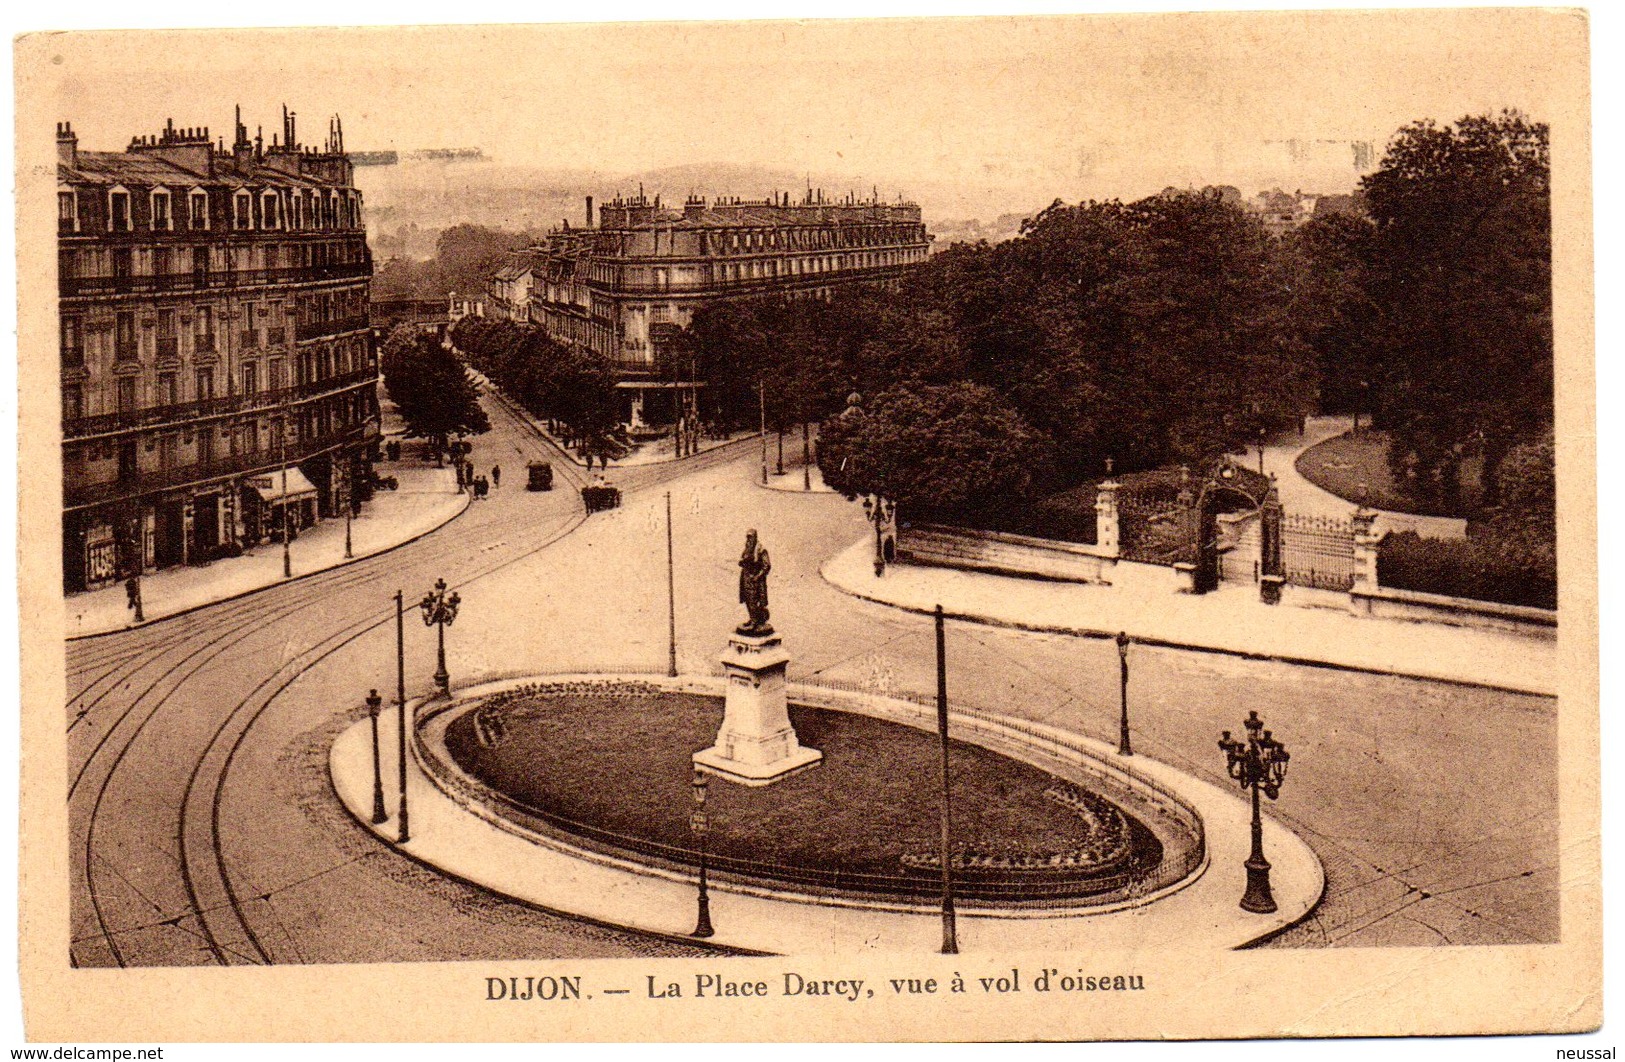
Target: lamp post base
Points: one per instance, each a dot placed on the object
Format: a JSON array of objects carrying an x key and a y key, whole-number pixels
[
  {"x": 1258, "y": 899},
  {"x": 702, "y": 927}
]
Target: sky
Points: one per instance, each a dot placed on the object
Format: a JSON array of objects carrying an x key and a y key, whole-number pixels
[{"x": 1070, "y": 107}]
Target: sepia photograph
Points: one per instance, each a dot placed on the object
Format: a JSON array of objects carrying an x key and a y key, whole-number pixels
[{"x": 1065, "y": 527}]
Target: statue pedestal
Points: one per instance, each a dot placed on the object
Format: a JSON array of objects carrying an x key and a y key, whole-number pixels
[{"x": 756, "y": 745}]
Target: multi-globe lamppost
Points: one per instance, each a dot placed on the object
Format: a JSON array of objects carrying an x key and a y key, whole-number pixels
[
  {"x": 440, "y": 612},
  {"x": 1258, "y": 763}
]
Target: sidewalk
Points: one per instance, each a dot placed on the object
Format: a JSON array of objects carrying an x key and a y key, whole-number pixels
[
  {"x": 795, "y": 483},
  {"x": 1200, "y": 913},
  {"x": 1299, "y": 495},
  {"x": 650, "y": 452},
  {"x": 426, "y": 499},
  {"x": 1144, "y": 601}
]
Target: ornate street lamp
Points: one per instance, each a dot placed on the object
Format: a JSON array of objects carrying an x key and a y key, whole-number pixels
[
  {"x": 701, "y": 825},
  {"x": 877, "y": 511},
  {"x": 374, "y": 704},
  {"x": 440, "y": 612},
  {"x": 1259, "y": 763},
  {"x": 1123, "y": 748}
]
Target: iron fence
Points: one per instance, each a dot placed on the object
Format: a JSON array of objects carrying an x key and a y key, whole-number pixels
[
  {"x": 1154, "y": 529},
  {"x": 1108, "y": 885},
  {"x": 1317, "y": 551}
]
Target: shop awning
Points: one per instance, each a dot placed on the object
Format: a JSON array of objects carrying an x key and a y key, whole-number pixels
[{"x": 269, "y": 486}]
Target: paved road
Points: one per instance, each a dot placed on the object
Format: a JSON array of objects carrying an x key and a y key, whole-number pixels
[{"x": 204, "y": 829}]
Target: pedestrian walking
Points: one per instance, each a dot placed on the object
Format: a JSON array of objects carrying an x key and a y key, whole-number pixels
[{"x": 496, "y": 475}]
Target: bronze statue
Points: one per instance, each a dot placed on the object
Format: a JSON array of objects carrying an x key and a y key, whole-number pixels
[{"x": 753, "y": 568}]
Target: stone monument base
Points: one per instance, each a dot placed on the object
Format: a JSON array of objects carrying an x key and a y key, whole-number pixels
[{"x": 756, "y": 745}]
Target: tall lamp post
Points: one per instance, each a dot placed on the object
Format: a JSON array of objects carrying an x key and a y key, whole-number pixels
[
  {"x": 287, "y": 524},
  {"x": 374, "y": 704},
  {"x": 440, "y": 612},
  {"x": 349, "y": 507},
  {"x": 877, "y": 511},
  {"x": 1258, "y": 763},
  {"x": 400, "y": 698},
  {"x": 700, "y": 823},
  {"x": 761, "y": 405},
  {"x": 1123, "y": 748}
]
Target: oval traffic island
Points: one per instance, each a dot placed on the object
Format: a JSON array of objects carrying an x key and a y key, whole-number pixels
[{"x": 604, "y": 766}]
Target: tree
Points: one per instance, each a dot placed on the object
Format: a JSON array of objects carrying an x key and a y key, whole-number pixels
[
  {"x": 1461, "y": 269},
  {"x": 431, "y": 389},
  {"x": 954, "y": 452}
]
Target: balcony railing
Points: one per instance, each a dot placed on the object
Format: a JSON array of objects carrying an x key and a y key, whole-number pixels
[
  {"x": 70, "y": 287},
  {"x": 85, "y": 494},
  {"x": 771, "y": 283},
  {"x": 184, "y": 412},
  {"x": 313, "y": 329}
]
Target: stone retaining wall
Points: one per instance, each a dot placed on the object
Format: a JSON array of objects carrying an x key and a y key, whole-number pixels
[{"x": 1005, "y": 554}]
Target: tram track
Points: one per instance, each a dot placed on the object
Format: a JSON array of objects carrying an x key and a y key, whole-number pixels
[{"x": 197, "y": 640}]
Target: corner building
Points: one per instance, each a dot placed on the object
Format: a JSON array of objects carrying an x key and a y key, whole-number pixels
[
  {"x": 214, "y": 332},
  {"x": 622, "y": 287}
]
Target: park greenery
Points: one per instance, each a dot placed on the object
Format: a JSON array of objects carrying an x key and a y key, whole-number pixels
[
  {"x": 996, "y": 377},
  {"x": 430, "y": 388},
  {"x": 1174, "y": 329}
]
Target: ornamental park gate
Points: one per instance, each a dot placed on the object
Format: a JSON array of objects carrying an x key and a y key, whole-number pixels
[{"x": 1182, "y": 528}]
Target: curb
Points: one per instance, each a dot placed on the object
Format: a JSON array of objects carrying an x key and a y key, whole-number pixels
[
  {"x": 281, "y": 582},
  {"x": 1166, "y": 643}
]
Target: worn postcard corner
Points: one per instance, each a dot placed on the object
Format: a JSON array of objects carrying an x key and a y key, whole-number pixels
[{"x": 969, "y": 529}]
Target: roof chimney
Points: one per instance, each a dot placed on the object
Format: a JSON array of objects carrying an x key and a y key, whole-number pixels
[
  {"x": 67, "y": 145},
  {"x": 589, "y": 212}
]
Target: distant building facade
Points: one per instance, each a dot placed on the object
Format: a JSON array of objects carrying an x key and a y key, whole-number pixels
[
  {"x": 208, "y": 297},
  {"x": 635, "y": 275}
]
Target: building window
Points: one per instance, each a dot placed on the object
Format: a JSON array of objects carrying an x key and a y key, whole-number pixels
[
  {"x": 67, "y": 211},
  {"x": 203, "y": 331},
  {"x": 205, "y": 445},
  {"x": 124, "y": 348},
  {"x": 118, "y": 211},
  {"x": 278, "y": 374},
  {"x": 200, "y": 267},
  {"x": 161, "y": 220},
  {"x": 73, "y": 350},
  {"x": 166, "y": 334},
  {"x": 250, "y": 333},
  {"x": 244, "y": 216},
  {"x": 250, "y": 379},
  {"x": 200, "y": 210},
  {"x": 205, "y": 384},
  {"x": 168, "y": 452},
  {"x": 73, "y": 402},
  {"x": 268, "y": 210},
  {"x": 169, "y": 392},
  {"x": 124, "y": 394}
]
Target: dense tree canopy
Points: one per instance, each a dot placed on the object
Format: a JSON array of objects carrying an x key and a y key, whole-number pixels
[
  {"x": 1460, "y": 271},
  {"x": 431, "y": 389},
  {"x": 566, "y": 384},
  {"x": 946, "y": 450}
]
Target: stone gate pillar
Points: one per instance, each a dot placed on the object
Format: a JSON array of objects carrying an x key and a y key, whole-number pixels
[
  {"x": 1271, "y": 572},
  {"x": 1365, "y": 558},
  {"x": 1108, "y": 533}
]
